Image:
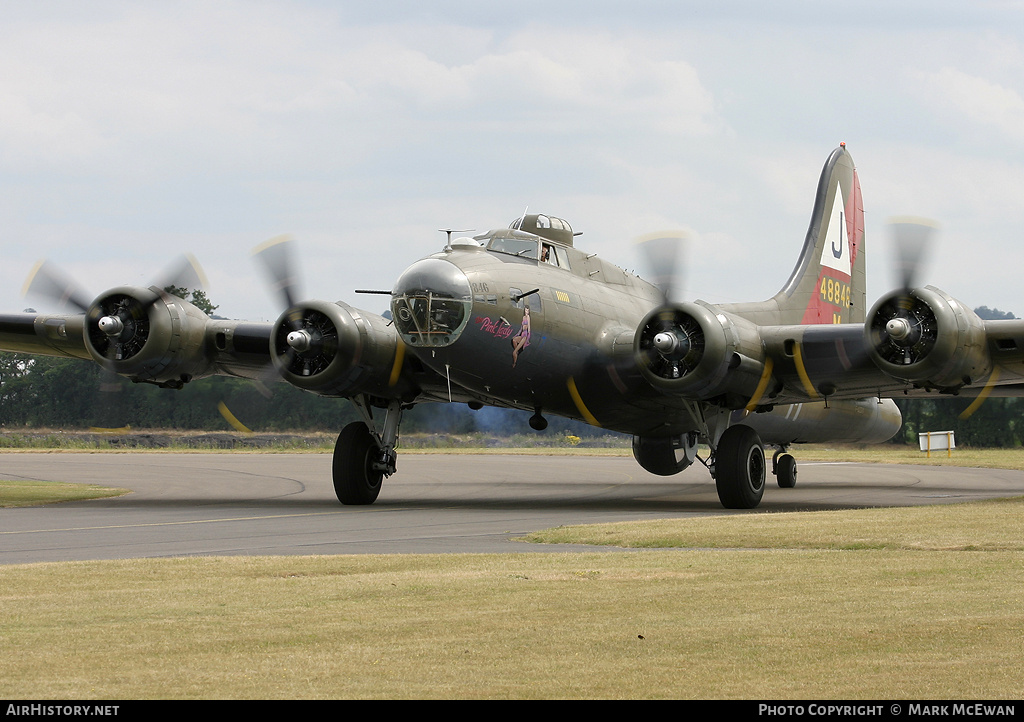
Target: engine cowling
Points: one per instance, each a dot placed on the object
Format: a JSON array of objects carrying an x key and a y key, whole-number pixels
[
  {"x": 695, "y": 351},
  {"x": 147, "y": 335},
  {"x": 928, "y": 338},
  {"x": 333, "y": 349}
]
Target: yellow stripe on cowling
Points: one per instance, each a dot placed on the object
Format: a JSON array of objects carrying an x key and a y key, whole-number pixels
[
  {"x": 231, "y": 419},
  {"x": 966, "y": 413},
  {"x": 761, "y": 385},
  {"x": 578, "y": 400},
  {"x": 802, "y": 372},
  {"x": 396, "y": 367}
]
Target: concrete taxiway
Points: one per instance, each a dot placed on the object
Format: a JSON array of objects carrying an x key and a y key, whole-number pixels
[{"x": 246, "y": 504}]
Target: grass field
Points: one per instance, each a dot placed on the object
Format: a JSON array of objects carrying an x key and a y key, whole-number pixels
[
  {"x": 701, "y": 623},
  {"x": 34, "y": 493},
  {"x": 911, "y": 603}
]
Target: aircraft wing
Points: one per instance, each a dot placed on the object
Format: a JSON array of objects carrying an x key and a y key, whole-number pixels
[
  {"x": 42, "y": 334},
  {"x": 162, "y": 349},
  {"x": 331, "y": 349},
  {"x": 841, "y": 361}
]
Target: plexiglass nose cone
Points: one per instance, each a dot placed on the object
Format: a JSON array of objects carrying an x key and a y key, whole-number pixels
[{"x": 431, "y": 303}]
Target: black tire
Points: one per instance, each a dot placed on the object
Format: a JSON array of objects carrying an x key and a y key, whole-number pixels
[
  {"x": 785, "y": 471},
  {"x": 355, "y": 480},
  {"x": 740, "y": 468}
]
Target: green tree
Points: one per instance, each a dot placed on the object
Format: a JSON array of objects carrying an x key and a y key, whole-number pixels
[
  {"x": 197, "y": 298},
  {"x": 202, "y": 302},
  {"x": 15, "y": 387}
]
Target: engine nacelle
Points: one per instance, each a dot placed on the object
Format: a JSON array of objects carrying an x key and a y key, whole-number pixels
[
  {"x": 333, "y": 349},
  {"x": 928, "y": 338},
  {"x": 147, "y": 335},
  {"x": 695, "y": 351}
]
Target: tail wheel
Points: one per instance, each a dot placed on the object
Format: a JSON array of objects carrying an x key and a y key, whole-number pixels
[
  {"x": 785, "y": 471},
  {"x": 740, "y": 468},
  {"x": 356, "y": 482}
]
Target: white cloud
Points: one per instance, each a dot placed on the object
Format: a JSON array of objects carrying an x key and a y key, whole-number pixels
[
  {"x": 133, "y": 131},
  {"x": 989, "y": 106}
]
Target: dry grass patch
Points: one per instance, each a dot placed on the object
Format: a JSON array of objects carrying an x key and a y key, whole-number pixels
[
  {"x": 897, "y": 454},
  {"x": 676, "y": 624},
  {"x": 33, "y": 493},
  {"x": 996, "y": 525}
]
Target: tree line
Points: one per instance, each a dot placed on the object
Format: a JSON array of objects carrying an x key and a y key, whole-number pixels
[{"x": 49, "y": 392}]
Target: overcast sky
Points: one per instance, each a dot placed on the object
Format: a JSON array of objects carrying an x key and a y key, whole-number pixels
[{"x": 133, "y": 131}]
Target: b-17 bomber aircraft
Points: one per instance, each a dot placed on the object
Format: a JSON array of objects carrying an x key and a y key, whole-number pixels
[{"x": 521, "y": 318}]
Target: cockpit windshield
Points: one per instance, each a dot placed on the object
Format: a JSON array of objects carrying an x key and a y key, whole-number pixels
[{"x": 522, "y": 247}]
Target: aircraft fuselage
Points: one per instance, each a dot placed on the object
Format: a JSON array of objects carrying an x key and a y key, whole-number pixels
[{"x": 532, "y": 334}]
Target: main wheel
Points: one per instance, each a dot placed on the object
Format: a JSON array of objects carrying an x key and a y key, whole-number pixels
[
  {"x": 355, "y": 480},
  {"x": 740, "y": 468},
  {"x": 785, "y": 471}
]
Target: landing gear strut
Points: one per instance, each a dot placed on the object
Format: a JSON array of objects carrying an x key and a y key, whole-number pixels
[
  {"x": 739, "y": 468},
  {"x": 364, "y": 455}
]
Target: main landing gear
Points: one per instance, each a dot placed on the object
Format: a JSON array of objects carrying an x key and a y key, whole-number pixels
[
  {"x": 365, "y": 454},
  {"x": 739, "y": 469}
]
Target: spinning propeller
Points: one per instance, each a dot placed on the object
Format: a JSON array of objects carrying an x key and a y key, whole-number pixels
[
  {"x": 117, "y": 322},
  {"x": 662, "y": 254},
  {"x": 671, "y": 341},
  {"x": 305, "y": 341},
  {"x": 903, "y": 327}
]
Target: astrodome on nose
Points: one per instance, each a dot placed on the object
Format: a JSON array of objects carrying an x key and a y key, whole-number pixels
[{"x": 436, "y": 276}]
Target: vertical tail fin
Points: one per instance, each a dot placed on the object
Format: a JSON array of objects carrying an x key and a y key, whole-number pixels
[{"x": 828, "y": 283}]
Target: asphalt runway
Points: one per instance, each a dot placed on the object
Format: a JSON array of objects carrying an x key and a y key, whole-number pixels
[{"x": 247, "y": 504}]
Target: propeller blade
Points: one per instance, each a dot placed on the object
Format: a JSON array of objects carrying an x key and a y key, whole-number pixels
[
  {"x": 276, "y": 256},
  {"x": 49, "y": 282},
  {"x": 662, "y": 253},
  {"x": 110, "y": 382},
  {"x": 911, "y": 238},
  {"x": 184, "y": 273},
  {"x": 277, "y": 259}
]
